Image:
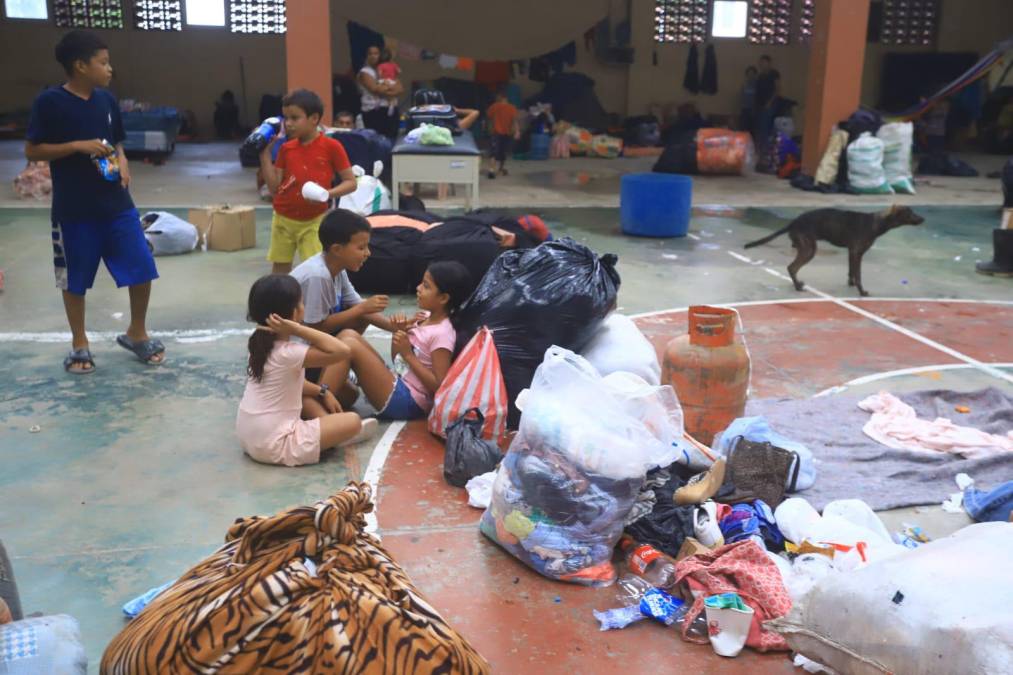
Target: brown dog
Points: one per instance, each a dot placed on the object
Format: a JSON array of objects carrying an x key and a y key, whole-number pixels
[{"x": 852, "y": 230}]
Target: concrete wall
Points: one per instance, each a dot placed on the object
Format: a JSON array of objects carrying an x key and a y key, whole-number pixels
[{"x": 190, "y": 69}]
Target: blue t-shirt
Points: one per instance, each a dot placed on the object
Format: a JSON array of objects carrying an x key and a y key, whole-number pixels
[{"x": 80, "y": 193}]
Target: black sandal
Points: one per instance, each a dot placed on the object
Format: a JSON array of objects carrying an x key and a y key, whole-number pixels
[
  {"x": 79, "y": 356},
  {"x": 144, "y": 350}
]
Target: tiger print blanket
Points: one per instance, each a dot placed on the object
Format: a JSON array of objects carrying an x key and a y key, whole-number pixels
[{"x": 254, "y": 606}]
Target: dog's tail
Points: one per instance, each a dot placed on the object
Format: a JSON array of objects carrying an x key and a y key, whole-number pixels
[{"x": 769, "y": 237}]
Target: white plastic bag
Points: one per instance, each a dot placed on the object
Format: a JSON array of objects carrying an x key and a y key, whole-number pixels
[
  {"x": 44, "y": 644},
  {"x": 618, "y": 345},
  {"x": 865, "y": 166},
  {"x": 898, "y": 138},
  {"x": 169, "y": 235},
  {"x": 370, "y": 194},
  {"x": 480, "y": 490},
  {"x": 942, "y": 608}
]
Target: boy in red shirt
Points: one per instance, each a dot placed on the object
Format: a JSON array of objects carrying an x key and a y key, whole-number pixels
[
  {"x": 503, "y": 127},
  {"x": 301, "y": 179}
]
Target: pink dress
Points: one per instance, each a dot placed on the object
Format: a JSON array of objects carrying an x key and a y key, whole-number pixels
[
  {"x": 268, "y": 423},
  {"x": 425, "y": 340}
]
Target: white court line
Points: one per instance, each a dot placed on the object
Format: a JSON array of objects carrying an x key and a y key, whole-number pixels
[
  {"x": 875, "y": 377},
  {"x": 375, "y": 468},
  {"x": 739, "y": 256},
  {"x": 694, "y": 237},
  {"x": 185, "y": 336},
  {"x": 960, "y": 356}
]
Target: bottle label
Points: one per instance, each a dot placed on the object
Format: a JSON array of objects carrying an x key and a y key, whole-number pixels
[{"x": 642, "y": 557}]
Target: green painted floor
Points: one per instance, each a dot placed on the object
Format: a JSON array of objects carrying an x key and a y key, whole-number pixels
[{"x": 135, "y": 474}]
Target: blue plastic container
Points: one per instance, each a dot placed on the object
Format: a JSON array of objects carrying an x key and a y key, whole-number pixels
[
  {"x": 539, "y": 146},
  {"x": 655, "y": 204}
]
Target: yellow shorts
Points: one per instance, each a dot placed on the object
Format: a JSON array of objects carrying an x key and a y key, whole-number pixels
[{"x": 289, "y": 236}]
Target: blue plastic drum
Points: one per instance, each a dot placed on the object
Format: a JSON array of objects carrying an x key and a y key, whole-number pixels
[
  {"x": 655, "y": 204},
  {"x": 540, "y": 146}
]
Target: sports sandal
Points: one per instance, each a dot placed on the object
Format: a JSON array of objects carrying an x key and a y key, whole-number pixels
[
  {"x": 82, "y": 356},
  {"x": 144, "y": 350}
]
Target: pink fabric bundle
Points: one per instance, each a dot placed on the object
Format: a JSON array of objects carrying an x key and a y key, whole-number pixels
[{"x": 34, "y": 182}]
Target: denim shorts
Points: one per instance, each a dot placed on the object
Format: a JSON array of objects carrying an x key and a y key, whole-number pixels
[{"x": 401, "y": 405}]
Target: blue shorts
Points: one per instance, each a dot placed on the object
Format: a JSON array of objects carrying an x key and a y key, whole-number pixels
[
  {"x": 401, "y": 405},
  {"x": 79, "y": 247}
]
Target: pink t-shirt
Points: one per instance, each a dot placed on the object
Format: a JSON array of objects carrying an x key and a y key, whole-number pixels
[
  {"x": 280, "y": 389},
  {"x": 388, "y": 70},
  {"x": 425, "y": 340}
]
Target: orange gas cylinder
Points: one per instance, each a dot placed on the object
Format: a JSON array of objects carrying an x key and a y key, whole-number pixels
[{"x": 709, "y": 370}]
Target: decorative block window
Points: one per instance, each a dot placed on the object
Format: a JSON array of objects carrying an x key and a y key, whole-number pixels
[
  {"x": 730, "y": 18},
  {"x": 909, "y": 22},
  {"x": 683, "y": 21},
  {"x": 88, "y": 13},
  {"x": 806, "y": 20},
  {"x": 770, "y": 22},
  {"x": 257, "y": 16},
  {"x": 205, "y": 12},
  {"x": 26, "y": 9},
  {"x": 158, "y": 14}
]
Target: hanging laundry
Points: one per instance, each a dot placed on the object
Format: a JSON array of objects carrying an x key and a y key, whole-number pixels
[
  {"x": 360, "y": 39},
  {"x": 465, "y": 63},
  {"x": 409, "y": 52},
  {"x": 518, "y": 68},
  {"x": 709, "y": 78},
  {"x": 492, "y": 73},
  {"x": 429, "y": 55},
  {"x": 538, "y": 69},
  {"x": 447, "y": 61},
  {"x": 691, "y": 82}
]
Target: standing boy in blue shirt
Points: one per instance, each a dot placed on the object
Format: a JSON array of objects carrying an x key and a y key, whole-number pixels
[{"x": 74, "y": 127}]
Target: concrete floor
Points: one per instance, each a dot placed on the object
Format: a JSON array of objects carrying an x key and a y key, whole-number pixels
[{"x": 135, "y": 473}]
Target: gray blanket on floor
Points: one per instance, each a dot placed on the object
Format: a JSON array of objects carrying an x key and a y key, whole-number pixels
[{"x": 849, "y": 464}]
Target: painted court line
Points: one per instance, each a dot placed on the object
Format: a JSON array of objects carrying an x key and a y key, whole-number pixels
[
  {"x": 375, "y": 468},
  {"x": 887, "y": 374},
  {"x": 960, "y": 356}
]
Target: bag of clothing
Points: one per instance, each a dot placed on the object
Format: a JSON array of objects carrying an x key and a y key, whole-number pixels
[
  {"x": 742, "y": 568},
  {"x": 474, "y": 382},
  {"x": 865, "y": 166},
  {"x": 580, "y": 140},
  {"x": 606, "y": 147},
  {"x": 618, "y": 345},
  {"x": 433, "y": 134},
  {"x": 169, "y": 235},
  {"x": 35, "y": 182},
  {"x": 572, "y": 474},
  {"x": 826, "y": 173},
  {"x": 305, "y": 589},
  {"x": 466, "y": 454},
  {"x": 555, "y": 294},
  {"x": 898, "y": 138},
  {"x": 370, "y": 195},
  {"x": 723, "y": 152},
  {"x": 758, "y": 429}
]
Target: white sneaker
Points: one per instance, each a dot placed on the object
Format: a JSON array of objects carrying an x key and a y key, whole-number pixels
[
  {"x": 369, "y": 428},
  {"x": 705, "y": 525}
]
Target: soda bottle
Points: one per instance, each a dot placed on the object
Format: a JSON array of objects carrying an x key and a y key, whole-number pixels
[
  {"x": 647, "y": 562},
  {"x": 260, "y": 137}
]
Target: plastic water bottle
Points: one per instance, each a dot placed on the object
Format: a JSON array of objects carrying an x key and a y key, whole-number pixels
[
  {"x": 630, "y": 588},
  {"x": 649, "y": 563}
]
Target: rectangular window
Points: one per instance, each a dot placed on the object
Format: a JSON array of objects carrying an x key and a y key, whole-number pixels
[
  {"x": 158, "y": 14},
  {"x": 770, "y": 22},
  {"x": 909, "y": 22},
  {"x": 730, "y": 18},
  {"x": 683, "y": 21},
  {"x": 26, "y": 9},
  {"x": 205, "y": 12},
  {"x": 88, "y": 13},
  {"x": 257, "y": 16}
]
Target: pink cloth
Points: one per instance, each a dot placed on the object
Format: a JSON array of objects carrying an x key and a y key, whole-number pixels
[
  {"x": 388, "y": 71},
  {"x": 426, "y": 339},
  {"x": 268, "y": 424},
  {"x": 895, "y": 425}
]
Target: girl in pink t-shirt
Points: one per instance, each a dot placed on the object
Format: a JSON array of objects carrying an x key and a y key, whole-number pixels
[
  {"x": 283, "y": 419},
  {"x": 427, "y": 347}
]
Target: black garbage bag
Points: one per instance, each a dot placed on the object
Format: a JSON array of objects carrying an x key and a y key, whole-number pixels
[
  {"x": 467, "y": 454},
  {"x": 459, "y": 239},
  {"x": 678, "y": 158},
  {"x": 388, "y": 269},
  {"x": 555, "y": 294}
]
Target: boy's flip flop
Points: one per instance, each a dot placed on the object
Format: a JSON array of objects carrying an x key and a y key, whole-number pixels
[
  {"x": 144, "y": 350},
  {"x": 82, "y": 356}
]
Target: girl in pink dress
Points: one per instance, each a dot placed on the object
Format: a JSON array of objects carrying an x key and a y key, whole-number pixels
[
  {"x": 426, "y": 348},
  {"x": 283, "y": 419}
]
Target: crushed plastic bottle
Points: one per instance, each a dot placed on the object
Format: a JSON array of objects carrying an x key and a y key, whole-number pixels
[
  {"x": 648, "y": 562},
  {"x": 630, "y": 588}
]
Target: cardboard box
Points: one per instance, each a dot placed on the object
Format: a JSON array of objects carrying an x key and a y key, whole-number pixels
[{"x": 225, "y": 228}]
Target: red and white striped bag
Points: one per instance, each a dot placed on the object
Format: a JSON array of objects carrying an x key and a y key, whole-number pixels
[{"x": 473, "y": 381}]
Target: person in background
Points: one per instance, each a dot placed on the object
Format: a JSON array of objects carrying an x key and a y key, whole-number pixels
[
  {"x": 282, "y": 418},
  {"x": 503, "y": 132},
  {"x": 375, "y": 97},
  {"x": 344, "y": 120},
  {"x": 389, "y": 74},
  {"x": 747, "y": 100},
  {"x": 307, "y": 157},
  {"x": 77, "y": 128},
  {"x": 768, "y": 89},
  {"x": 226, "y": 118}
]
